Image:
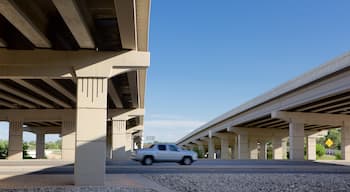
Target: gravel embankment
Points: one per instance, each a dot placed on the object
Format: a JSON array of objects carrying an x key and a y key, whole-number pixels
[
  {"x": 77, "y": 189},
  {"x": 253, "y": 182}
]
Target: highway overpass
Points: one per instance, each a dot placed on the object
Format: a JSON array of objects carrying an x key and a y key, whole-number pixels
[
  {"x": 78, "y": 69},
  {"x": 298, "y": 110}
]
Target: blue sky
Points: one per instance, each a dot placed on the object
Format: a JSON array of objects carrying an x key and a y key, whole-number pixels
[{"x": 208, "y": 57}]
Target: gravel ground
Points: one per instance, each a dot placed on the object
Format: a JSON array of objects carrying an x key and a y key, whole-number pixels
[
  {"x": 253, "y": 182},
  {"x": 78, "y": 189}
]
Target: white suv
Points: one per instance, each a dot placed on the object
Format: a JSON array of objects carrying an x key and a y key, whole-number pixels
[{"x": 164, "y": 153}]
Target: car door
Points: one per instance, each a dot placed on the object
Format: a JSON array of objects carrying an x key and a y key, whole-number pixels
[
  {"x": 161, "y": 153},
  {"x": 174, "y": 153}
]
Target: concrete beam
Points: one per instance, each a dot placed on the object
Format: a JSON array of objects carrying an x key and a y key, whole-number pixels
[
  {"x": 17, "y": 101},
  {"x": 6, "y": 104},
  {"x": 61, "y": 89},
  {"x": 125, "y": 11},
  {"x": 133, "y": 86},
  {"x": 25, "y": 96},
  {"x": 141, "y": 77},
  {"x": 125, "y": 114},
  {"x": 142, "y": 24},
  {"x": 311, "y": 118},
  {"x": 134, "y": 129},
  {"x": 37, "y": 114},
  {"x": 42, "y": 93},
  {"x": 114, "y": 95},
  {"x": 71, "y": 15},
  {"x": 2, "y": 43},
  {"x": 45, "y": 130},
  {"x": 84, "y": 63},
  {"x": 16, "y": 17}
]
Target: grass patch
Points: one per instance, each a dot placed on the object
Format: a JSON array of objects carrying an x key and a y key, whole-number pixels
[{"x": 327, "y": 157}]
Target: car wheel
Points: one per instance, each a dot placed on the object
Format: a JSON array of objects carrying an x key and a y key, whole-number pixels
[
  {"x": 147, "y": 161},
  {"x": 187, "y": 161}
]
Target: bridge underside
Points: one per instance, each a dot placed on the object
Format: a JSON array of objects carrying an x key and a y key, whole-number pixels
[
  {"x": 78, "y": 69},
  {"x": 298, "y": 112}
]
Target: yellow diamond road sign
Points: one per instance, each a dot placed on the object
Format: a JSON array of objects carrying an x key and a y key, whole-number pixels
[{"x": 329, "y": 142}]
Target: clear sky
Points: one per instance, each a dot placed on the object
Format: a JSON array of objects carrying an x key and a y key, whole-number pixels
[{"x": 208, "y": 57}]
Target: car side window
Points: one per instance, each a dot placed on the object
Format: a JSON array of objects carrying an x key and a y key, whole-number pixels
[
  {"x": 161, "y": 147},
  {"x": 172, "y": 148}
]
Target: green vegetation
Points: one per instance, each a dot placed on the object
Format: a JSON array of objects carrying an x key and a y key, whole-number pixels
[
  {"x": 320, "y": 150},
  {"x": 3, "y": 149},
  {"x": 321, "y": 147},
  {"x": 200, "y": 153},
  {"x": 27, "y": 146},
  {"x": 53, "y": 144}
]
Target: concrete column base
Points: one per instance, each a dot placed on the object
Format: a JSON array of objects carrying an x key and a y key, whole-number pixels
[
  {"x": 253, "y": 149},
  {"x": 224, "y": 152},
  {"x": 68, "y": 135},
  {"x": 15, "y": 148},
  {"x": 296, "y": 141},
  {"x": 262, "y": 151},
  {"x": 311, "y": 148},
  {"x": 243, "y": 151},
  {"x": 345, "y": 141},
  {"x": 277, "y": 148},
  {"x": 119, "y": 140},
  {"x": 211, "y": 148},
  {"x": 40, "y": 145}
]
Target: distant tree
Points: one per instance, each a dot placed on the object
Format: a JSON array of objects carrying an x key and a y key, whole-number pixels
[
  {"x": 335, "y": 136},
  {"x": 25, "y": 151},
  {"x": 320, "y": 150},
  {"x": 3, "y": 149},
  {"x": 53, "y": 144}
]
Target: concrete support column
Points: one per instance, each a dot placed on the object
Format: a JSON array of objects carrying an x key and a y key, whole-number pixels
[
  {"x": 243, "y": 151},
  {"x": 119, "y": 139},
  {"x": 15, "y": 147},
  {"x": 201, "y": 148},
  {"x": 296, "y": 141},
  {"x": 284, "y": 148},
  {"x": 277, "y": 148},
  {"x": 211, "y": 148},
  {"x": 311, "y": 148},
  {"x": 235, "y": 148},
  {"x": 262, "y": 152},
  {"x": 345, "y": 141},
  {"x": 109, "y": 142},
  {"x": 68, "y": 135},
  {"x": 253, "y": 148},
  {"x": 129, "y": 145},
  {"x": 225, "y": 153},
  {"x": 40, "y": 145},
  {"x": 90, "y": 153}
]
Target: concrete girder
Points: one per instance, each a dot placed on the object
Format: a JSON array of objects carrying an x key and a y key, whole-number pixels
[
  {"x": 17, "y": 18},
  {"x": 18, "y": 101},
  {"x": 133, "y": 85},
  {"x": 24, "y": 96},
  {"x": 311, "y": 118},
  {"x": 2, "y": 43},
  {"x": 125, "y": 114},
  {"x": 134, "y": 129},
  {"x": 42, "y": 93},
  {"x": 84, "y": 63},
  {"x": 126, "y": 16},
  {"x": 142, "y": 24},
  {"x": 61, "y": 89},
  {"x": 74, "y": 20},
  {"x": 114, "y": 95}
]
